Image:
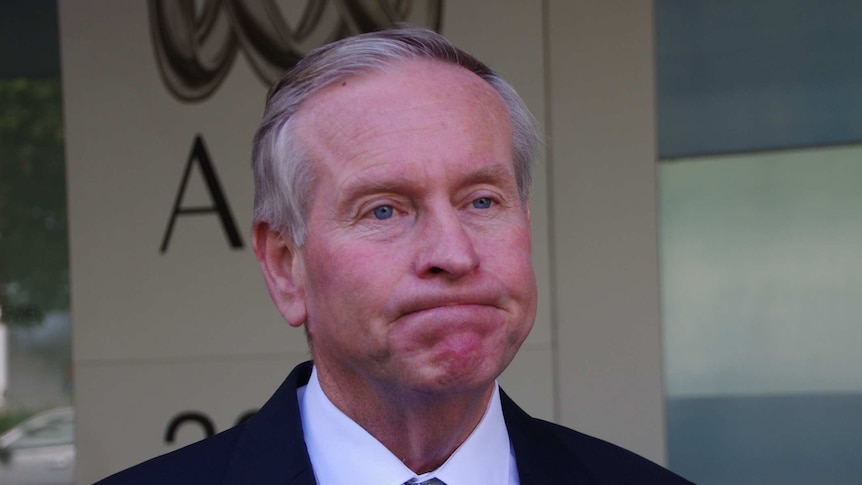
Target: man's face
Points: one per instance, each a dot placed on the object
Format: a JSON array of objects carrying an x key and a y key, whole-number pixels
[{"x": 416, "y": 274}]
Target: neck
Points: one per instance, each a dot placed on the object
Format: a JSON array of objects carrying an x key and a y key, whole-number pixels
[{"x": 422, "y": 429}]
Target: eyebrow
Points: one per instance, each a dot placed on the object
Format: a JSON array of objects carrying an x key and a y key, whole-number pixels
[{"x": 361, "y": 186}]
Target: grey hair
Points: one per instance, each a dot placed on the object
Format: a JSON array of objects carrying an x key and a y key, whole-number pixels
[{"x": 283, "y": 173}]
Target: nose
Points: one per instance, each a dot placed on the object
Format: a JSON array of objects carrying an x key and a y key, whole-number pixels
[{"x": 446, "y": 246}]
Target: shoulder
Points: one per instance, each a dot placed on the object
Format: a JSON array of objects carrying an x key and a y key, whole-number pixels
[
  {"x": 607, "y": 462},
  {"x": 203, "y": 462},
  {"x": 546, "y": 452}
]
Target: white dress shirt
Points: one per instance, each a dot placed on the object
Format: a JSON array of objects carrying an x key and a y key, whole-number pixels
[{"x": 343, "y": 453}]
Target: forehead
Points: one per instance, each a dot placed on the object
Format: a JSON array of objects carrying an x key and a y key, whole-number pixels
[{"x": 422, "y": 95}]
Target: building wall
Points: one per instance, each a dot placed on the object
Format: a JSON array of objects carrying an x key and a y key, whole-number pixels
[{"x": 159, "y": 333}]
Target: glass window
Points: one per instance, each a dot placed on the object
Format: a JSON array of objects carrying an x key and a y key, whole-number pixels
[
  {"x": 761, "y": 282},
  {"x": 741, "y": 76},
  {"x": 760, "y": 225}
]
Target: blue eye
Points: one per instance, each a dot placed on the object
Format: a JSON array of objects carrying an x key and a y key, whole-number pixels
[
  {"x": 383, "y": 212},
  {"x": 482, "y": 203}
]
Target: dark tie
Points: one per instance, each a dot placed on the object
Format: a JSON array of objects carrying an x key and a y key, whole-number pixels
[{"x": 433, "y": 481}]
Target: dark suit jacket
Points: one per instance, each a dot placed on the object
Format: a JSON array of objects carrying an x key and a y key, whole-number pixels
[{"x": 270, "y": 449}]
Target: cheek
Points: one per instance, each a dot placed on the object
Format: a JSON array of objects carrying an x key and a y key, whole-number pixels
[
  {"x": 348, "y": 279},
  {"x": 511, "y": 260},
  {"x": 513, "y": 267}
]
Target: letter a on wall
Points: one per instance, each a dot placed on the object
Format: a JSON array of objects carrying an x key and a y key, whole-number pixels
[{"x": 220, "y": 207}]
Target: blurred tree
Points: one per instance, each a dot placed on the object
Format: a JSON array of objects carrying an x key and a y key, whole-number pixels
[{"x": 34, "y": 261}]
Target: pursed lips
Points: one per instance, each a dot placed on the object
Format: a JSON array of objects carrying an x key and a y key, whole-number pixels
[{"x": 444, "y": 303}]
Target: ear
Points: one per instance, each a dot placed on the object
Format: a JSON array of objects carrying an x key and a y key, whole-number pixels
[{"x": 283, "y": 271}]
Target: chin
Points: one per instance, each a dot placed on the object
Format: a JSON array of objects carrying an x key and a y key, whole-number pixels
[{"x": 456, "y": 374}]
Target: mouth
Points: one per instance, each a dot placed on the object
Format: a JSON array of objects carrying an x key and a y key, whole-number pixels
[
  {"x": 449, "y": 311},
  {"x": 447, "y": 303}
]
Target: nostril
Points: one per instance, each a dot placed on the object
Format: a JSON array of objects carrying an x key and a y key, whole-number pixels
[{"x": 436, "y": 270}]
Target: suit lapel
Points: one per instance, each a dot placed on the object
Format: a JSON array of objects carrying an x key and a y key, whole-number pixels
[
  {"x": 271, "y": 448},
  {"x": 541, "y": 457}
]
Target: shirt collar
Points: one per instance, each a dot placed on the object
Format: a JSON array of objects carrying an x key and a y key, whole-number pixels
[{"x": 343, "y": 453}]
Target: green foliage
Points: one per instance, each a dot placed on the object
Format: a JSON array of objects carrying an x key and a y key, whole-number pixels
[{"x": 34, "y": 258}]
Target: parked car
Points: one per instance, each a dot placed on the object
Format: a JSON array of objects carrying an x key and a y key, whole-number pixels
[{"x": 40, "y": 451}]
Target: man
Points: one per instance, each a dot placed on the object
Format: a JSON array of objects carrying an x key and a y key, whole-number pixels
[{"x": 392, "y": 221}]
